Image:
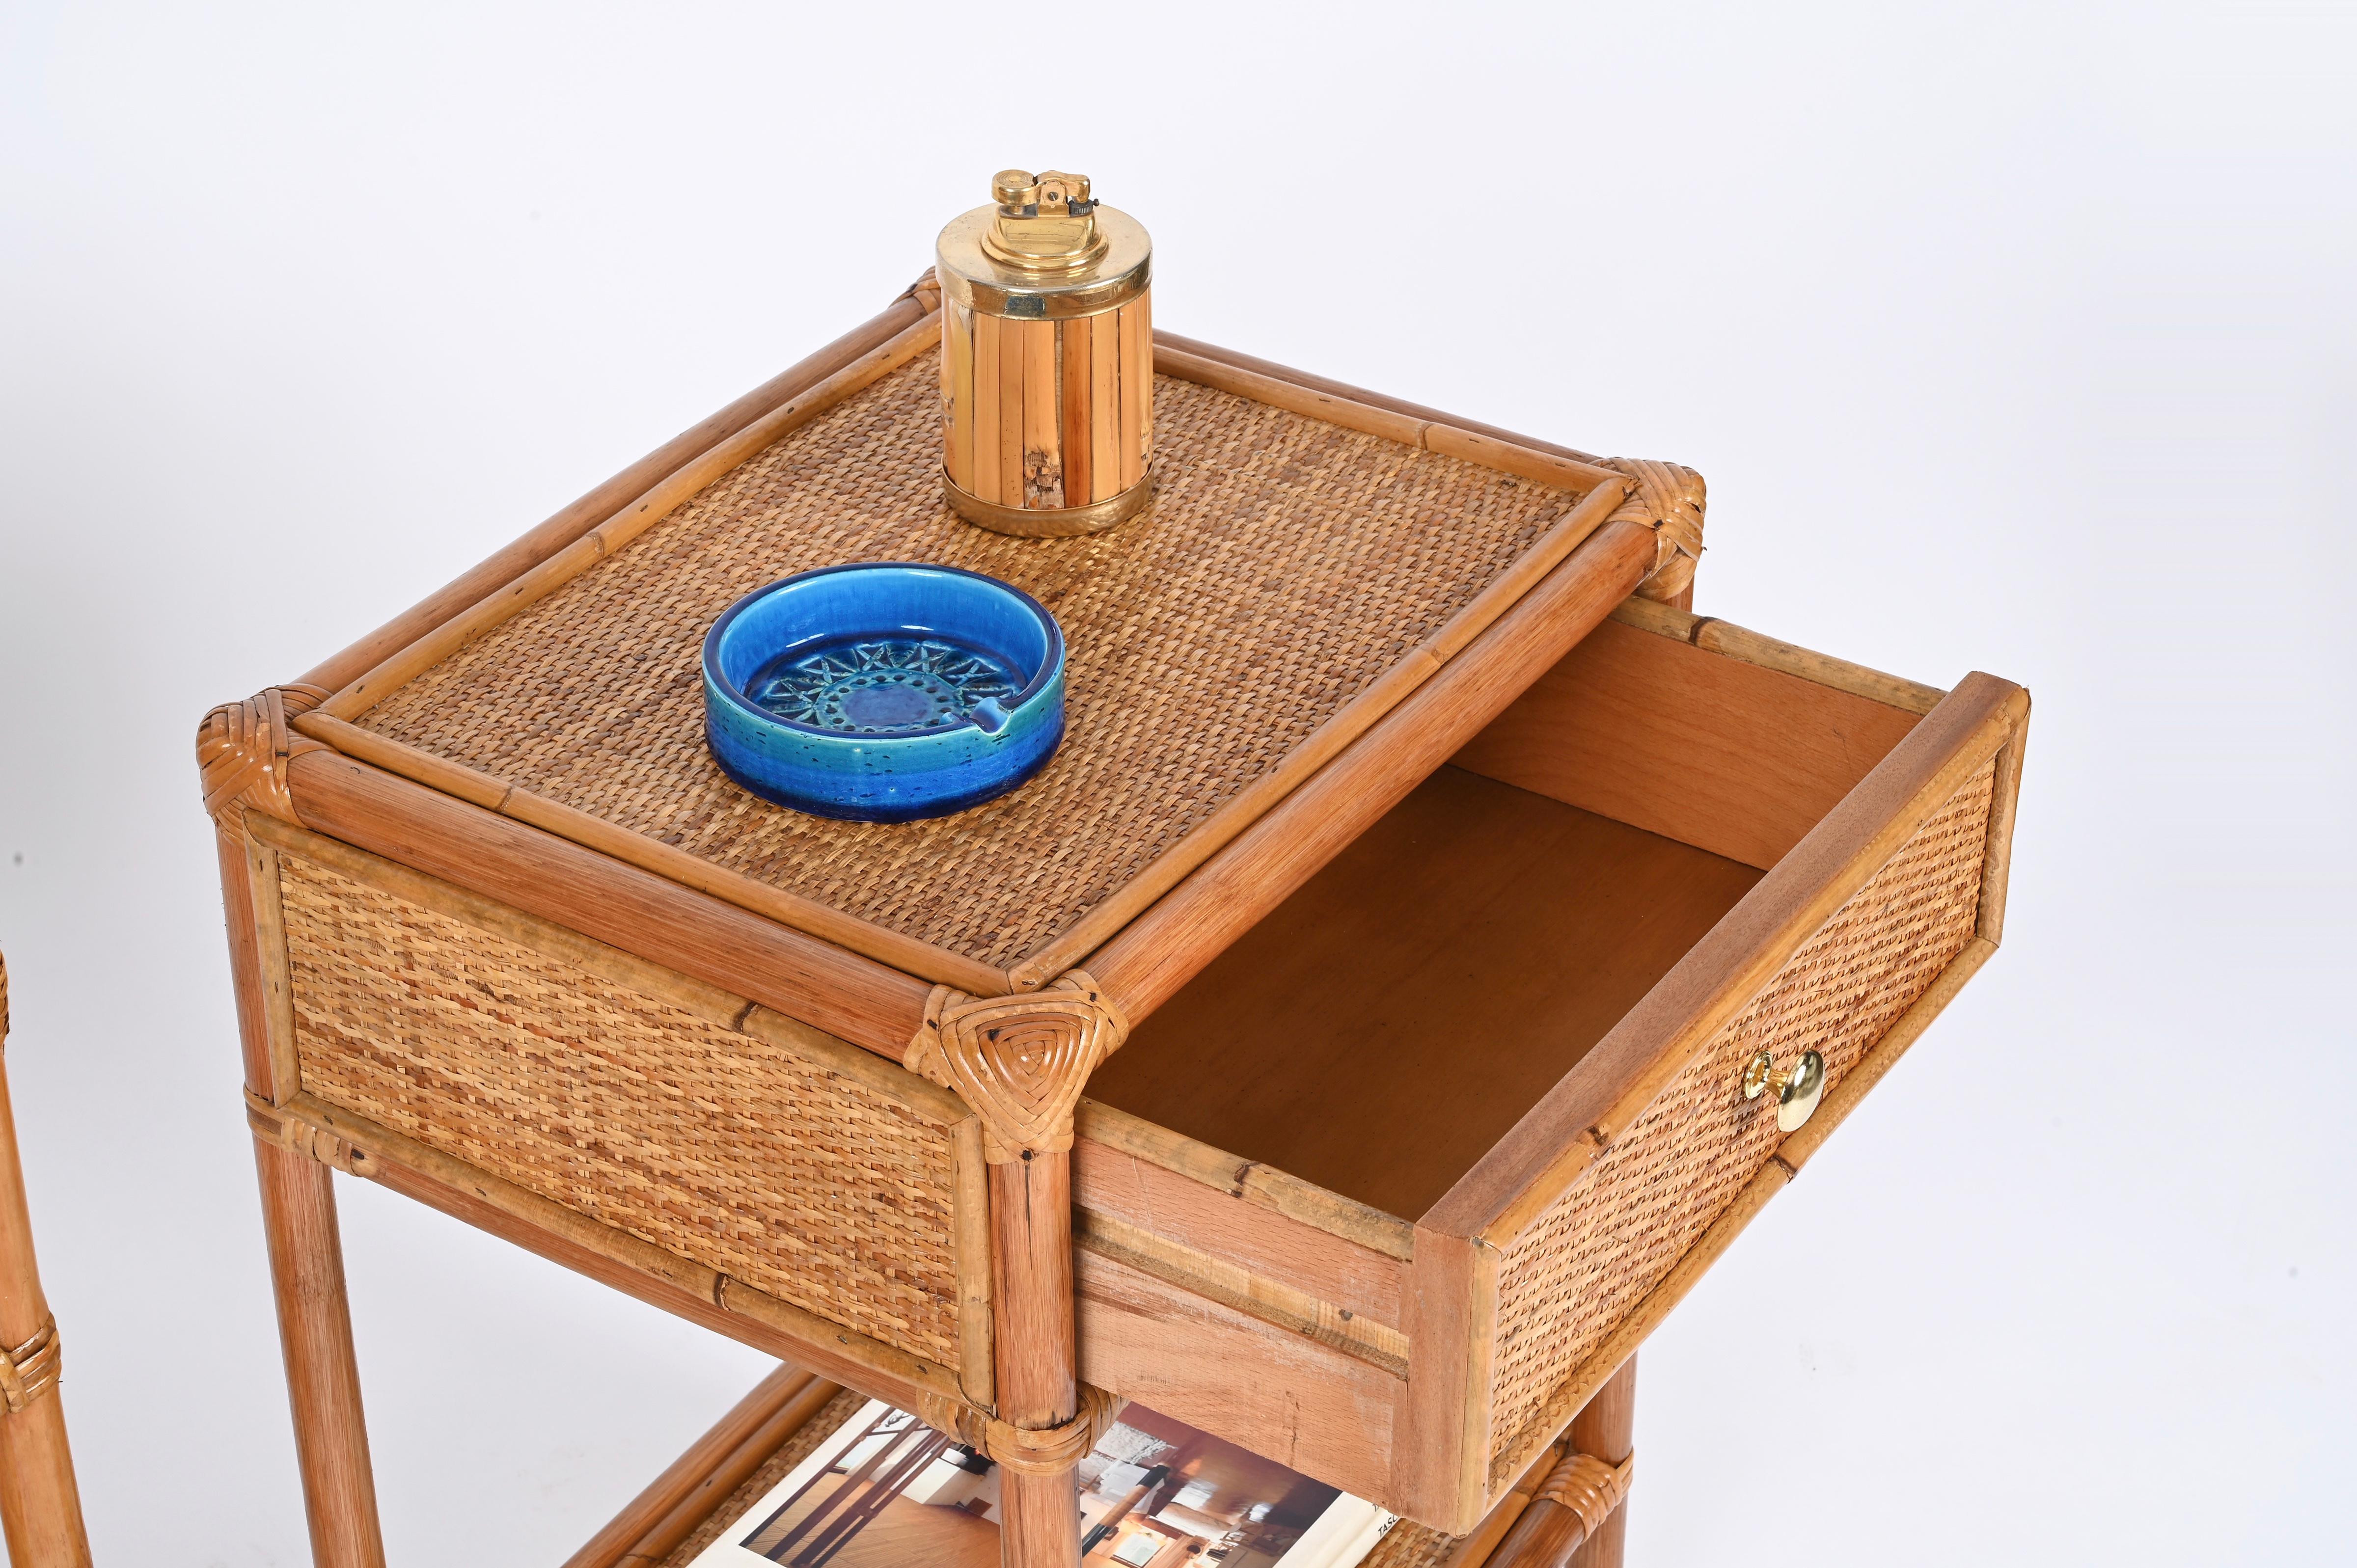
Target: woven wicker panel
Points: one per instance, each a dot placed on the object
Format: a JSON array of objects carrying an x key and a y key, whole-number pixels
[
  {"x": 1285, "y": 564},
  {"x": 734, "y": 1152},
  {"x": 829, "y": 1420},
  {"x": 1576, "y": 1272}
]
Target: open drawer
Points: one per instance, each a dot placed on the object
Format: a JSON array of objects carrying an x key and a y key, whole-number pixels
[{"x": 1391, "y": 1188}]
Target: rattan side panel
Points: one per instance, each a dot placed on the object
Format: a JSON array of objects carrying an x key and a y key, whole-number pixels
[
  {"x": 737, "y": 1152},
  {"x": 1285, "y": 565},
  {"x": 1577, "y": 1271}
]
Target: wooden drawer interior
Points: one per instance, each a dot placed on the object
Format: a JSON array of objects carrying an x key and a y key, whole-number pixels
[{"x": 1395, "y": 1018}]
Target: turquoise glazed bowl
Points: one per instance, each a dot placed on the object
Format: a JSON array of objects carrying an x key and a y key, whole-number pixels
[{"x": 884, "y": 692}]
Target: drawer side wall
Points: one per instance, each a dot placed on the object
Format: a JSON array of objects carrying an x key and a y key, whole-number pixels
[
  {"x": 739, "y": 1153},
  {"x": 1577, "y": 1270}
]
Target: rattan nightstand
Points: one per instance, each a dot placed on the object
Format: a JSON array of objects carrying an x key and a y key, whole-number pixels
[{"x": 1416, "y": 888}]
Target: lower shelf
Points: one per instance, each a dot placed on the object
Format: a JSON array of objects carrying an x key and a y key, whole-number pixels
[{"x": 790, "y": 1413}]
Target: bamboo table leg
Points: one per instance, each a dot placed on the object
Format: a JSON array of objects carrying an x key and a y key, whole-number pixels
[
  {"x": 243, "y": 752},
  {"x": 1606, "y": 1429},
  {"x": 1020, "y": 1062},
  {"x": 1038, "y": 1354},
  {"x": 323, "y": 1382},
  {"x": 40, "y": 1504}
]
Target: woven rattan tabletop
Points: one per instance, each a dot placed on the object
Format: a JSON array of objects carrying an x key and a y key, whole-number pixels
[{"x": 1286, "y": 565}]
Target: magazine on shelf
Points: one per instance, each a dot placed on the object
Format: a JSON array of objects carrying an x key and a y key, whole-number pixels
[{"x": 887, "y": 1491}]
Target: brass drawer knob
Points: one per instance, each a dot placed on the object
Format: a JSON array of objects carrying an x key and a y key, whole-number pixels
[{"x": 1797, "y": 1089}]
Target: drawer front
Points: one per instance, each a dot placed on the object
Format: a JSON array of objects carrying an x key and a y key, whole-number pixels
[
  {"x": 785, "y": 1170},
  {"x": 1572, "y": 1276}
]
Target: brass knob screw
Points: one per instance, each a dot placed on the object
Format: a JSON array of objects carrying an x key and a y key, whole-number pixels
[{"x": 1797, "y": 1089}]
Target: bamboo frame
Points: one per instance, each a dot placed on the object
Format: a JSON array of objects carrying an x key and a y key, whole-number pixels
[
  {"x": 769, "y": 961},
  {"x": 1210, "y": 1277},
  {"x": 1346, "y": 393}
]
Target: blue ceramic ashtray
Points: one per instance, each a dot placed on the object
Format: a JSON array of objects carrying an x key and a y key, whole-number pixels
[{"x": 884, "y": 692}]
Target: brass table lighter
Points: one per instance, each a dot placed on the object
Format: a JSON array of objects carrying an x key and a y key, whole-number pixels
[{"x": 1047, "y": 359}]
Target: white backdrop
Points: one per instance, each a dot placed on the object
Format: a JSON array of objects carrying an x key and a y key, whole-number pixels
[{"x": 2008, "y": 337}]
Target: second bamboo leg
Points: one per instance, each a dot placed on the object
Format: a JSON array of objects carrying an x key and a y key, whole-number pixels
[
  {"x": 39, "y": 1503},
  {"x": 323, "y": 1384}
]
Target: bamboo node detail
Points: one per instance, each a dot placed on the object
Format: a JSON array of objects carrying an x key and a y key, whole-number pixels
[
  {"x": 1668, "y": 499},
  {"x": 1588, "y": 1486},
  {"x": 1020, "y": 1062},
  {"x": 243, "y": 751},
  {"x": 32, "y": 1369}
]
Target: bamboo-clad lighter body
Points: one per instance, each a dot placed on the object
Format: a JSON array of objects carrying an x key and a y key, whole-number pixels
[{"x": 1047, "y": 359}]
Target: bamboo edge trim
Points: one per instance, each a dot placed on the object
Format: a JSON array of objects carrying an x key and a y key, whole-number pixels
[
  {"x": 1263, "y": 1185},
  {"x": 32, "y": 1369},
  {"x": 1969, "y": 752},
  {"x": 502, "y": 797},
  {"x": 528, "y": 550},
  {"x": 1438, "y": 436},
  {"x": 1241, "y": 1290},
  {"x": 374, "y": 1147},
  {"x": 1713, "y": 635},
  {"x": 970, "y": 1260},
  {"x": 2004, "y": 802},
  {"x": 1779, "y": 1170},
  {"x": 1350, "y": 393},
  {"x": 265, "y": 902}
]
